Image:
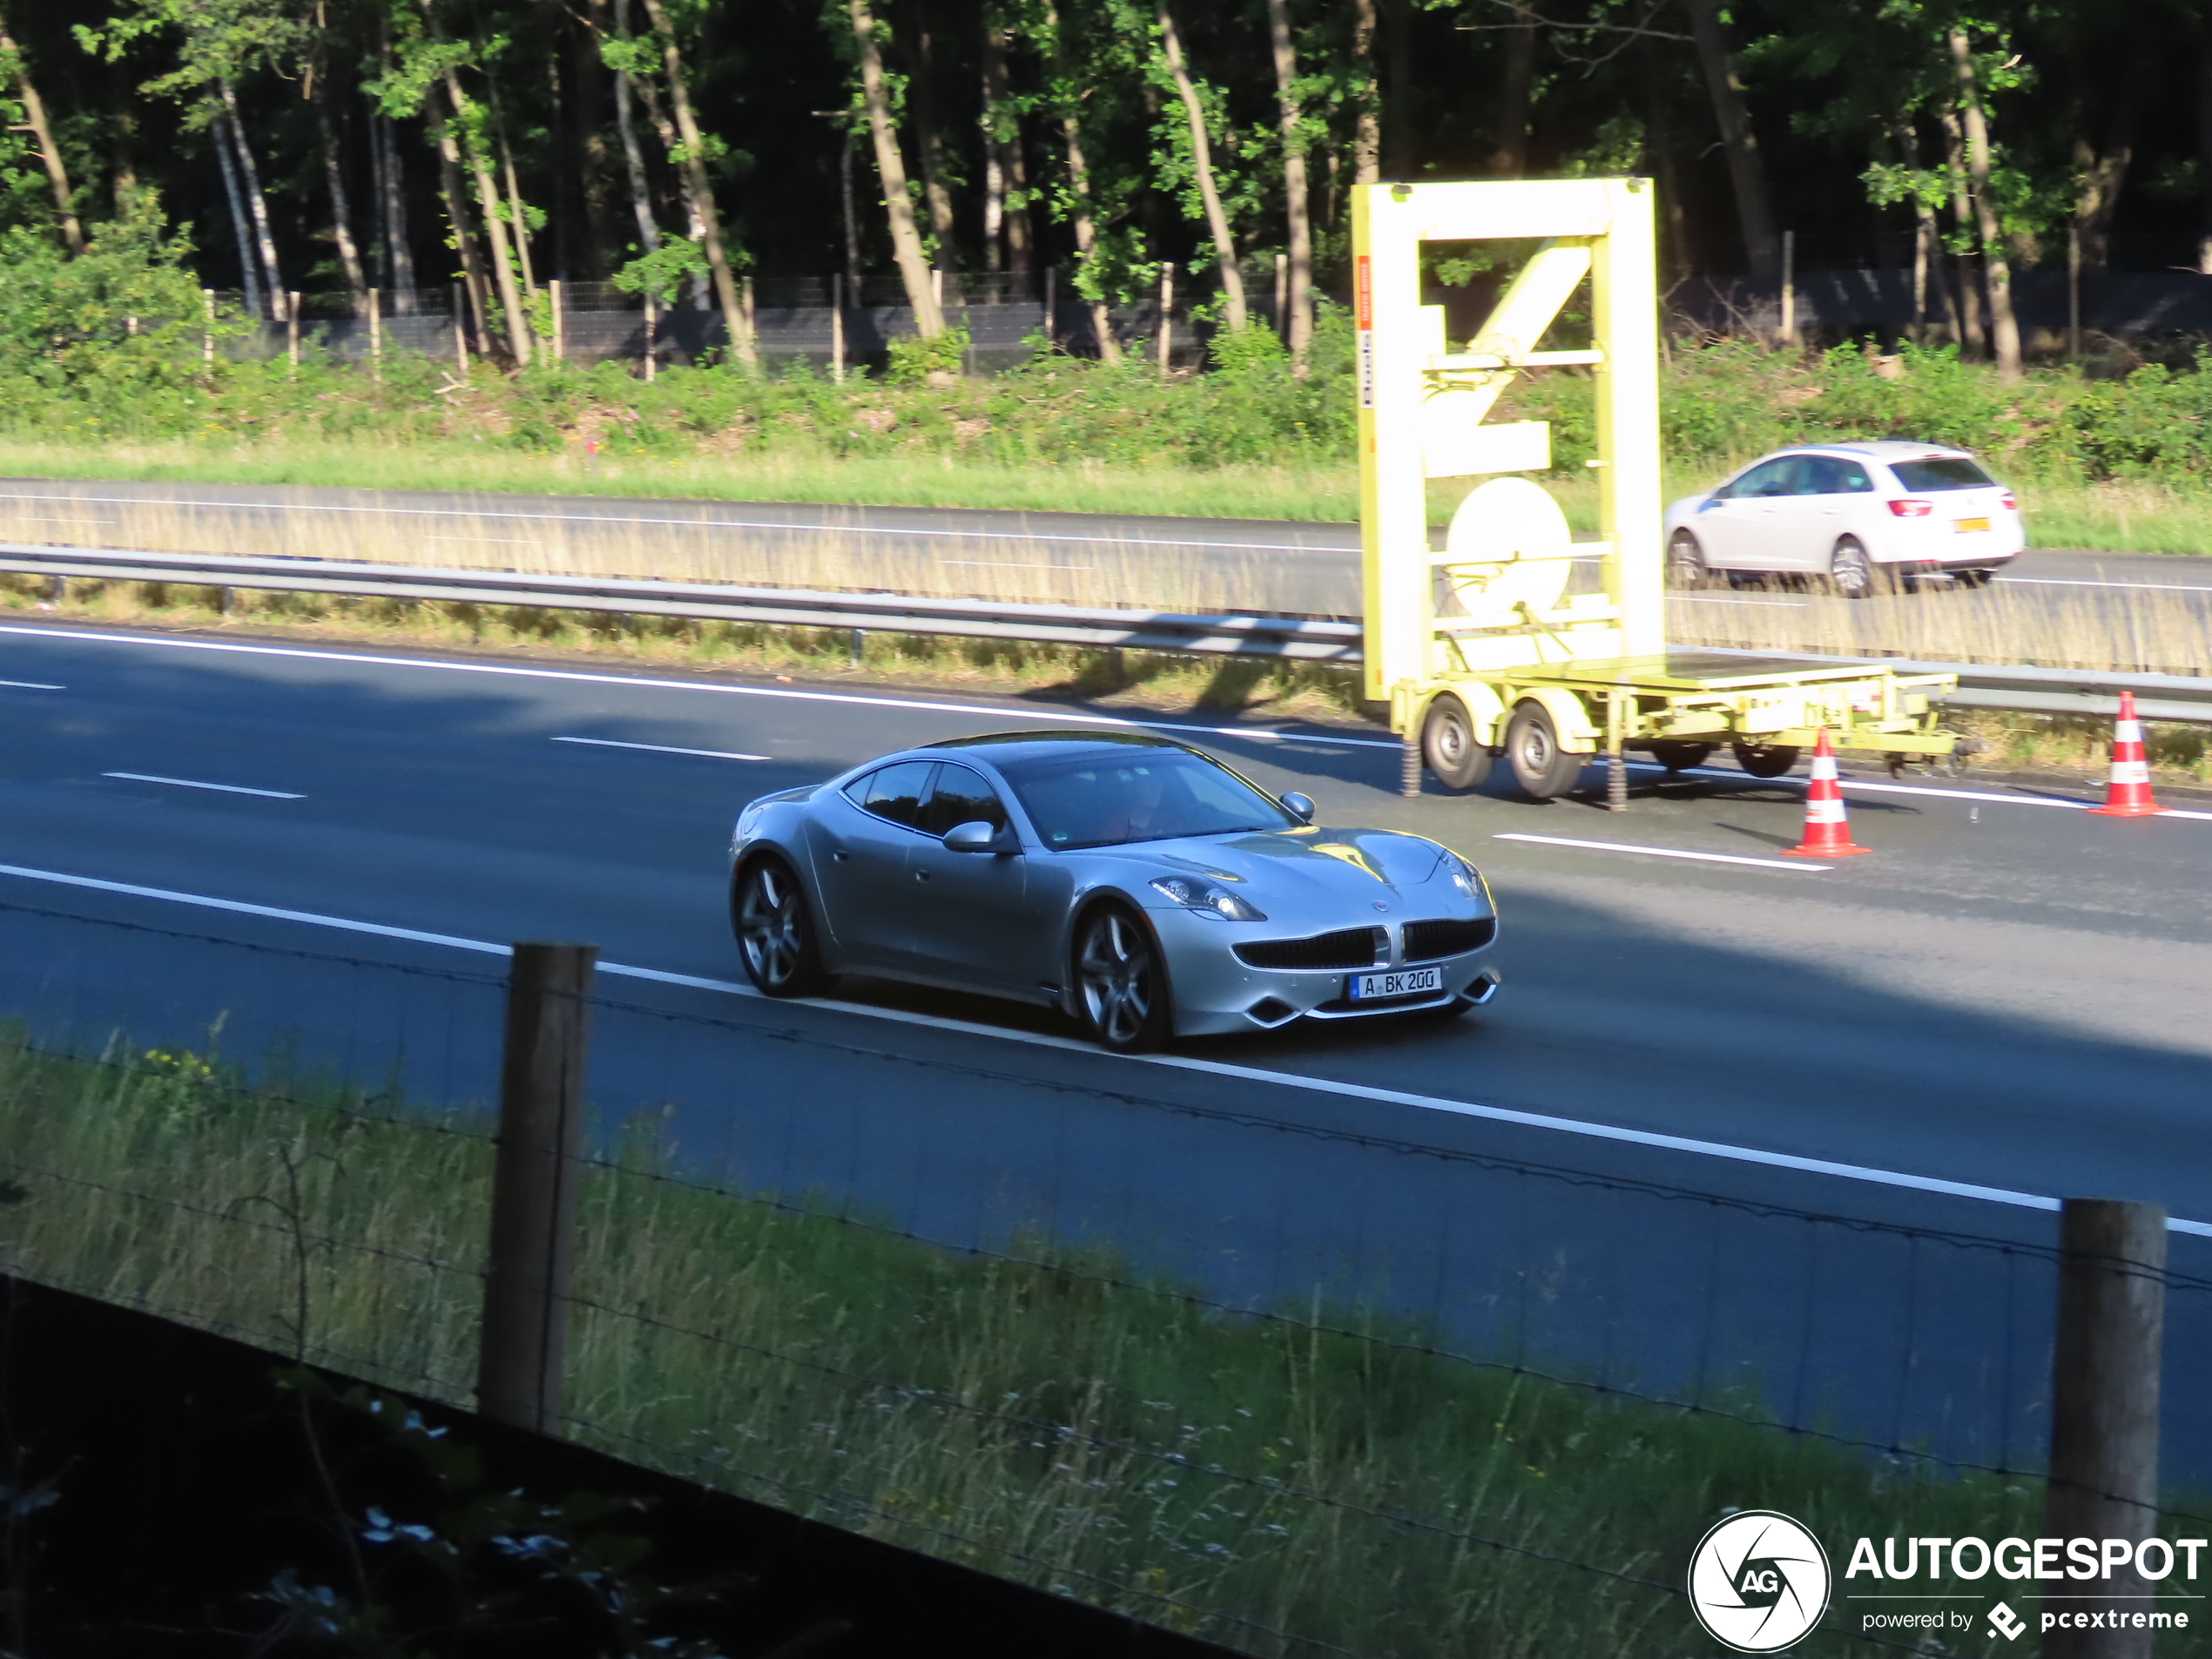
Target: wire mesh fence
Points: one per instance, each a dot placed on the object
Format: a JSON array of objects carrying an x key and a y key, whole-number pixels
[{"x": 1164, "y": 1341}]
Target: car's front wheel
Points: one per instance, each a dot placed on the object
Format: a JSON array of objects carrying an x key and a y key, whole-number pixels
[
  {"x": 775, "y": 930},
  {"x": 1686, "y": 568},
  {"x": 1854, "y": 575},
  {"x": 1121, "y": 982}
]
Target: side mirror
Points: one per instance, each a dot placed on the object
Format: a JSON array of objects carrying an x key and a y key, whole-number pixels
[
  {"x": 977, "y": 837},
  {"x": 1299, "y": 806}
]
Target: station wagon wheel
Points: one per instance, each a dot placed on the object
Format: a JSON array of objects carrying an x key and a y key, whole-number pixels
[
  {"x": 1686, "y": 563},
  {"x": 1542, "y": 766},
  {"x": 775, "y": 930},
  {"x": 1121, "y": 984},
  {"x": 1448, "y": 743},
  {"x": 1855, "y": 576}
]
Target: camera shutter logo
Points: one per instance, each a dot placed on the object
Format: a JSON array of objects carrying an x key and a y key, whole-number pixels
[{"x": 1758, "y": 1582}]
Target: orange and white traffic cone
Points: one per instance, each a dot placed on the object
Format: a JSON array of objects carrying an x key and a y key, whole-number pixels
[
  {"x": 1827, "y": 834},
  {"x": 2127, "y": 793}
]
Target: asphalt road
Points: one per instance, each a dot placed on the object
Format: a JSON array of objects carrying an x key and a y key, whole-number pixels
[
  {"x": 1294, "y": 568},
  {"x": 2003, "y": 1003}
]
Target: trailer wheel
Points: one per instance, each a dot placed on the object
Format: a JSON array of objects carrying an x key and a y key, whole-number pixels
[
  {"x": 1681, "y": 757},
  {"x": 1448, "y": 745},
  {"x": 1541, "y": 764},
  {"x": 1766, "y": 759}
]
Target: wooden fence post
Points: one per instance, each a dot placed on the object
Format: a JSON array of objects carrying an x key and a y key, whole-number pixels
[
  {"x": 1051, "y": 335},
  {"x": 376, "y": 333},
  {"x": 208, "y": 334},
  {"x": 837, "y": 328},
  {"x": 533, "y": 1177},
  {"x": 1167, "y": 308},
  {"x": 560, "y": 321},
  {"x": 291, "y": 327},
  {"x": 652, "y": 327},
  {"x": 1788, "y": 287},
  {"x": 2104, "y": 1405},
  {"x": 461, "y": 331},
  {"x": 2073, "y": 291}
]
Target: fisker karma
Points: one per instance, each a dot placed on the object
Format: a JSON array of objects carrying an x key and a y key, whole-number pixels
[{"x": 1139, "y": 885}]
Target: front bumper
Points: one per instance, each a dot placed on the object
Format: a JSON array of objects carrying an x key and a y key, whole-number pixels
[{"x": 1216, "y": 993}]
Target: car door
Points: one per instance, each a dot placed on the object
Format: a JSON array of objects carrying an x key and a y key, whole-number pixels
[
  {"x": 1823, "y": 513},
  {"x": 859, "y": 840},
  {"x": 1738, "y": 525},
  {"x": 972, "y": 910}
]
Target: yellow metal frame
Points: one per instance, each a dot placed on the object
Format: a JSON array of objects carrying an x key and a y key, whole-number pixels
[{"x": 1413, "y": 386}]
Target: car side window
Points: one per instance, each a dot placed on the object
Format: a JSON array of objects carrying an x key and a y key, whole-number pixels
[
  {"x": 960, "y": 797},
  {"x": 893, "y": 793},
  {"x": 1823, "y": 475},
  {"x": 1776, "y": 477}
]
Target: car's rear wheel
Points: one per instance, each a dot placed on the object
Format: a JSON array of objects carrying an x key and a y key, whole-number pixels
[
  {"x": 1766, "y": 759},
  {"x": 1686, "y": 566},
  {"x": 775, "y": 930},
  {"x": 1121, "y": 982},
  {"x": 1448, "y": 743},
  {"x": 1854, "y": 575},
  {"x": 1681, "y": 757},
  {"x": 1542, "y": 766}
]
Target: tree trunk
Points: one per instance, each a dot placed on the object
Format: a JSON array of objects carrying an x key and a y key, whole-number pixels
[
  {"x": 256, "y": 206},
  {"x": 1367, "y": 131},
  {"x": 671, "y": 145},
  {"x": 898, "y": 203},
  {"x": 341, "y": 223},
  {"x": 517, "y": 326},
  {"x": 399, "y": 254},
  {"x": 1294, "y": 193},
  {"x": 1762, "y": 247},
  {"x": 586, "y": 107},
  {"x": 1927, "y": 245},
  {"x": 1510, "y": 159},
  {"x": 472, "y": 260},
  {"x": 929, "y": 145},
  {"x": 694, "y": 164},
  {"x": 42, "y": 134},
  {"x": 1080, "y": 218},
  {"x": 1007, "y": 187},
  {"x": 641, "y": 198},
  {"x": 218, "y": 131},
  {"x": 2004, "y": 326},
  {"x": 1397, "y": 100},
  {"x": 516, "y": 214},
  {"x": 1224, "y": 244},
  {"x": 2204, "y": 147},
  {"x": 2100, "y": 174},
  {"x": 1971, "y": 335}
]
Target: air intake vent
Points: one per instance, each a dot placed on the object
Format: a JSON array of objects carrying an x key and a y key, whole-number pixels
[
  {"x": 1349, "y": 947},
  {"x": 1427, "y": 942}
]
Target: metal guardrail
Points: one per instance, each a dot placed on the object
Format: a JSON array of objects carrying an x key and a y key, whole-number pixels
[
  {"x": 1299, "y": 638},
  {"x": 2158, "y": 697}
]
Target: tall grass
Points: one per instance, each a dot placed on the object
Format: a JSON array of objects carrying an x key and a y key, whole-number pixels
[{"x": 1313, "y": 1481}]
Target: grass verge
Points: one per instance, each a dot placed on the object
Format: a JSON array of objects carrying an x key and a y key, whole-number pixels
[{"x": 1308, "y": 1483}]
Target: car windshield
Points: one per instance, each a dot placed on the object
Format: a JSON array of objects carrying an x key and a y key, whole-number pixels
[
  {"x": 1153, "y": 795},
  {"x": 1940, "y": 472}
]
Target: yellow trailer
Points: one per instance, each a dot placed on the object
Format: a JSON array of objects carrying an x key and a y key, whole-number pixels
[{"x": 1482, "y": 649}]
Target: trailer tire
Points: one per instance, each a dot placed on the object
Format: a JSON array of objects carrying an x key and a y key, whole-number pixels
[
  {"x": 1676, "y": 756},
  {"x": 1455, "y": 757},
  {"x": 1543, "y": 766},
  {"x": 1766, "y": 759}
]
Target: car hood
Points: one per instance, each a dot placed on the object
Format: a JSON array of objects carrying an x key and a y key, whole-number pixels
[{"x": 1327, "y": 867}]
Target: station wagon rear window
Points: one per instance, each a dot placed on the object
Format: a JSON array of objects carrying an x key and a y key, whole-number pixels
[{"x": 1940, "y": 472}]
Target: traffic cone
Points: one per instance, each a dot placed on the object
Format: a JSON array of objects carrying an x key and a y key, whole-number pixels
[
  {"x": 2127, "y": 794},
  {"x": 1827, "y": 835}
]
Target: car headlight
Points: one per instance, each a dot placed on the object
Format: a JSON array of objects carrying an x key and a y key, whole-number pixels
[
  {"x": 1467, "y": 879},
  {"x": 1207, "y": 898}
]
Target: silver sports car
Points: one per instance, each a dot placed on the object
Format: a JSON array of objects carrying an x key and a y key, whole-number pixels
[{"x": 1139, "y": 885}]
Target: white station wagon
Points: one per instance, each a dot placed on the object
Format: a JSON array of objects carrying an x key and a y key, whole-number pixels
[{"x": 1871, "y": 517}]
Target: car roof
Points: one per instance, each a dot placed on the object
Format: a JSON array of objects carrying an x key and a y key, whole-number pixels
[
  {"x": 1009, "y": 746},
  {"x": 1879, "y": 450}
]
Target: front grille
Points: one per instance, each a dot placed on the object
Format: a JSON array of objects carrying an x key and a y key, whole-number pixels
[
  {"x": 1428, "y": 942},
  {"x": 1347, "y": 947}
]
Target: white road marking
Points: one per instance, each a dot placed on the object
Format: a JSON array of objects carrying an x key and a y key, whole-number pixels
[
  {"x": 1910, "y": 789},
  {"x": 502, "y": 541},
  {"x": 41, "y": 518},
  {"x": 1657, "y": 852},
  {"x": 1015, "y": 564},
  {"x": 2063, "y": 582},
  {"x": 1181, "y": 1063},
  {"x": 1723, "y": 599},
  {"x": 190, "y": 783},
  {"x": 1062, "y": 716},
  {"x": 986, "y": 535},
  {"x": 33, "y": 685},
  {"x": 665, "y": 748}
]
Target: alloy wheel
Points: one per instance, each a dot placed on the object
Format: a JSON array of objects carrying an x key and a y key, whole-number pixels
[
  {"x": 770, "y": 921},
  {"x": 1118, "y": 978}
]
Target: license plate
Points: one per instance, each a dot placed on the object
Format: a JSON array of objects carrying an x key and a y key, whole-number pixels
[
  {"x": 1408, "y": 982},
  {"x": 1970, "y": 525}
]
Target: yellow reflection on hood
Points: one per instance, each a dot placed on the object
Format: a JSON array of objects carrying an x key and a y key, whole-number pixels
[{"x": 1346, "y": 852}]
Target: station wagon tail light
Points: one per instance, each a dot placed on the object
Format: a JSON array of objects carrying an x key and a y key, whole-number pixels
[
  {"x": 2006, "y": 502},
  {"x": 1911, "y": 507}
]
